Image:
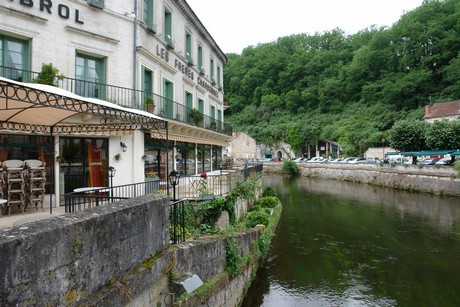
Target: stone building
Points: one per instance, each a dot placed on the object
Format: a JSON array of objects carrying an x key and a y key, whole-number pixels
[
  {"x": 242, "y": 146},
  {"x": 141, "y": 90},
  {"x": 442, "y": 111}
]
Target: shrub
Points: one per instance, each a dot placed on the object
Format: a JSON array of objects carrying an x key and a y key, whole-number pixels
[
  {"x": 267, "y": 202},
  {"x": 290, "y": 167},
  {"x": 457, "y": 168},
  {"x": 269, "y": 191},
  {"x": 233, "y": 257},
  {"x": 254, "y": 218}
]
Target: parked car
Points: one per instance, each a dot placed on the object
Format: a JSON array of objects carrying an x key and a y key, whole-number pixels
[
  {"x": 372, "y": 160},
  {"x": 349, "y": 159},
  {"x": 277, "y": 160},
  {"x": 336, "y": 160},
  {"x": 430, "y": 161},
  {"x": 356, "y": 160},
  {"x": 316, "y": 159},
  {"x": 444, "y": 161}
]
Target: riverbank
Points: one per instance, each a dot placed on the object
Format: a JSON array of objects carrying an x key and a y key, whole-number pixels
[{"x": 434, "y": 180}]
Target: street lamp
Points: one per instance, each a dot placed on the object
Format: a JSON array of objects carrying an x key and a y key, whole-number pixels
[
  {"x": 383, "y": 148},
  {"x": 220, "y": 181},
  {"x": 174, "y": 180},
  {"x": 112, "y": 172}
]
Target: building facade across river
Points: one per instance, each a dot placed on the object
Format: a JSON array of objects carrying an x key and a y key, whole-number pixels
[{"x": 152, "y": 57}]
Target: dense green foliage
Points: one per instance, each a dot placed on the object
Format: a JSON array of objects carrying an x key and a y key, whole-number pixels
[
  {"x": 290, "y": 167},
  {"x": 414, "y": 135},
  {"x": 269, "y": 191},
  {"x": 350, "y": 89}
]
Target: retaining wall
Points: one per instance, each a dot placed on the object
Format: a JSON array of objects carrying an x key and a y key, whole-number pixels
[
  {"x": 114, "y": 255},
  {"x": 430, "y": 179}
]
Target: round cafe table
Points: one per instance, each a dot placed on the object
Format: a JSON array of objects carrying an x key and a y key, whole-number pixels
[{"x": 90, "y": 190}]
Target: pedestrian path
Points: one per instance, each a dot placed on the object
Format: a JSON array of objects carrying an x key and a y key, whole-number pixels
[{"x": 18, "y": 219}]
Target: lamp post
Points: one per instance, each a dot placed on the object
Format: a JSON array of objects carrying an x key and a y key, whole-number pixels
[
  {"x": 383, "y": 148},
  {"x": 112, "y": 172},
  {"x": 220, "y": 181},
  {"x": 174, "y": 180}
]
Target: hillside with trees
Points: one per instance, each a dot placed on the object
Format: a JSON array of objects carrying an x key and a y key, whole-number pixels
[{"x": 348, "y": 88}]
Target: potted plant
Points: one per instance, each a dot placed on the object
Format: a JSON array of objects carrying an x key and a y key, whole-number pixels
[
  {"x": 149, "y": 104},
  {"x": 117, "y": 157},
  {"x": 196, "y": 116},
  {"x": 49, "y": 75},
  {"x": 213, "y": 126}
]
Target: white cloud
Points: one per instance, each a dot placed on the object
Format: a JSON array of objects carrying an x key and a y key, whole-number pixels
[{"x": 237, "y": 24}]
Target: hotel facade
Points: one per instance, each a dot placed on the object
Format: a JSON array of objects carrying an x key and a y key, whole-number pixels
[{"x": 139, "y": 88}]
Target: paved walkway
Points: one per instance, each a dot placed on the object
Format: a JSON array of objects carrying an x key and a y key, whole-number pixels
[{"x": 18, "y": 219}]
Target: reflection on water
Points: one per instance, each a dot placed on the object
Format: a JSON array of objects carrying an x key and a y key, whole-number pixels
[{"x": 346, "y": 244}]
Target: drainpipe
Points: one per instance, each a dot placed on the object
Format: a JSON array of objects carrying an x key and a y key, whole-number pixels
[{"x": 134, "y": 55}]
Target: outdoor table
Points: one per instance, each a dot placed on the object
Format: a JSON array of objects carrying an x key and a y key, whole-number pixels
[{"x": 89, "y": 190}]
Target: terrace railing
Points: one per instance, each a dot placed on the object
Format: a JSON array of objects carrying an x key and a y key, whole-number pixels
[{"x": 125, "y": 97}]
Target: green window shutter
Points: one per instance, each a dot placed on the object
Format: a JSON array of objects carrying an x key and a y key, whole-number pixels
[
  {"x": 168, "y": 27},
  {"x": 213, "y": 112},
  {"x": 201, "y": 105},
  {"x": 218, "y": 76},
  {"x": 189, "y": 106},
  {"x": 211, "y": 70},
  {"x": 200, "y": 58},
  {"x": 147, "y": 83},
  {"x": 148, "y": 13},
  {"x": 15, "y": 57},
  {"x": 90, "y": 76},
  {"x": 188, "y": 47},
  {"x": 169, "y": 96}
]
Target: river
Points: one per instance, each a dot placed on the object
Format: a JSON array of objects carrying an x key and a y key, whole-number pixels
[{"x": 348, "y": 244}]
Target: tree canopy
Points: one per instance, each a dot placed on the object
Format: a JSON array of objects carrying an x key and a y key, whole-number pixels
[{"x": 348, "y": 88}]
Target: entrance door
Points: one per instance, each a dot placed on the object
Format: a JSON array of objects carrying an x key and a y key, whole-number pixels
[{"x": 83, "y": 163}]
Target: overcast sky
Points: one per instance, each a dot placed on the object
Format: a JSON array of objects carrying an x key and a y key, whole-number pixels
[{"x": 236, "y": 24}]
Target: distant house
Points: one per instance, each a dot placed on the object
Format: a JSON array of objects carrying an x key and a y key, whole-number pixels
[
  {"x": 324, "y": 148},
  {"x": 242, "y": 146},
  {"x": 442, "y": 110}
]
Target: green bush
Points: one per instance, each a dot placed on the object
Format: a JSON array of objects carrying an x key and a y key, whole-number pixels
[
  {"x": 457, "y": 168},
  {"x": 290, "y": 167},
  {"x": 267, "y": 202},
  {"x": 254, "y": 218},
  {"x": 233, "y": 257},
  {"x": 269, "y": 191}
]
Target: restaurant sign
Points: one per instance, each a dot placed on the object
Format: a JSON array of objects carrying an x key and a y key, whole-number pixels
[{"x": 61, "y": 10}]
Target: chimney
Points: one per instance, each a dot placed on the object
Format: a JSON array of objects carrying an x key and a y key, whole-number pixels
[{"x": 427, "y": 110}]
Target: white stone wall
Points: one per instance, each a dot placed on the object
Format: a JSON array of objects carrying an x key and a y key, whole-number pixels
[
  {"x": 243, "y": 147},
  {"x": 59, "y": 29}
]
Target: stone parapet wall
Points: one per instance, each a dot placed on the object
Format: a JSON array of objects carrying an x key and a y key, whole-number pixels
[
  {"x": 58, "y": 261},
  {"x": 117, "y": 255}
]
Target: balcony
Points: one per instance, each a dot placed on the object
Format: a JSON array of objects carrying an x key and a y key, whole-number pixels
[{"x": 125, "y": 97}]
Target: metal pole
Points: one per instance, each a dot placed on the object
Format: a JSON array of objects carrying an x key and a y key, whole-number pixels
[{"x": 111, "y": 189}]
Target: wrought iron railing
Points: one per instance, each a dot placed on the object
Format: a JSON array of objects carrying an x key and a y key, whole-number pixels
[
  {"x": 125, "y": 97},
  {"x": 215, "y": 184}
]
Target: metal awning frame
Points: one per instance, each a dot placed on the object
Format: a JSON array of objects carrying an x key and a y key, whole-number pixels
[
  {"x": 112, "y": 118},
  {"x": 19, "y": 102}
]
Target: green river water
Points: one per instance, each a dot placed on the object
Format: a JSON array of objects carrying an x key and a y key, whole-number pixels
[{"x": 346, "y": 244}]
